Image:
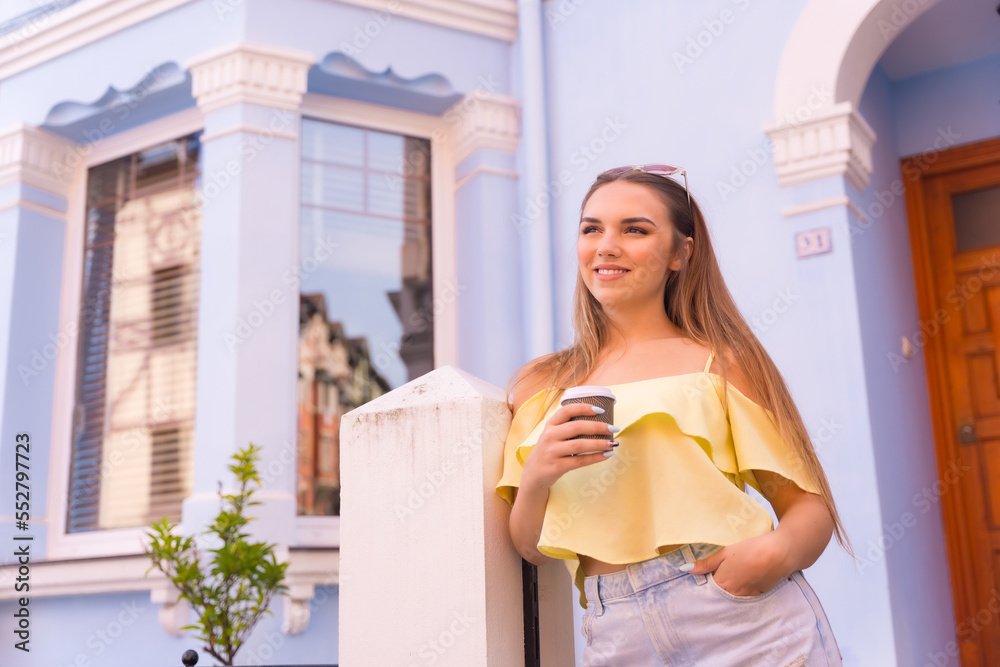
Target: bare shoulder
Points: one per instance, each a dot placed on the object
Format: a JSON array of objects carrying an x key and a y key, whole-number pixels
[
  {"x": 531, "y": 379},
  {"x": 735, "y": 373}
]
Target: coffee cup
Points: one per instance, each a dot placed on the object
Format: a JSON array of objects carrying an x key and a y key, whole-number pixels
[{"x": 592, "y": 394}]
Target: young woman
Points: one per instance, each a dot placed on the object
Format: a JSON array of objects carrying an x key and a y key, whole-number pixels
[{"x": 676, "y": 563}]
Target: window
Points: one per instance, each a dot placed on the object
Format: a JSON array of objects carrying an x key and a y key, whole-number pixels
[
  {"x": 133, "y": 418},
  {"x": 366, "y": 316}
]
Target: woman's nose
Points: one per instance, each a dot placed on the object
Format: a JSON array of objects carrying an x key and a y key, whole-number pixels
[{"x": 609, "y": 245}]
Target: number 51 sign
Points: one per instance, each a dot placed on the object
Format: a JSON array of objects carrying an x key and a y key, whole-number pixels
[{"x": 813, "y": 242}]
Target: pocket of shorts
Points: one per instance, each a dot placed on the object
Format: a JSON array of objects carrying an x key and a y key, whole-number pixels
[
  {"x": 742, "y": 598},
  {"x": 585, "y": 626}
]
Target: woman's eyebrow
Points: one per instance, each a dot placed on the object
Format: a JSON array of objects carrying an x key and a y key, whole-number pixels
[{"x": 625, "y": 221}]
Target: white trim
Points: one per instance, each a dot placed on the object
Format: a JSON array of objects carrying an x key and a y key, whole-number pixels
[
  {"x": 245, "y": 72},
  {"x": 835, "y": 142},
  {"x": 828, "y": 59},
  {"x": 387, "y": 119},
  {"x": 34, "y": 156},
  {"x": 317, "y": 531},
  {"x": 484, "y": 121},
  {"x": 99, "y": 542},
  {"x": 125, "y": 143},
  {"x": 492, "y": 18},
  {"x": 822, "y": 204},
  {"x": 307, "y": 569},
  {"x": 29, "y": 205},
  {"x": 76, "y": 26},
  {"x": 90, "y": 21},
  {"x": 506, "y": 173},
  {"x": 248, "y": 129}
]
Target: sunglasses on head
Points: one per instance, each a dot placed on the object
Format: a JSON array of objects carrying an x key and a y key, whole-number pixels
[{"x": 664, "y": 170}]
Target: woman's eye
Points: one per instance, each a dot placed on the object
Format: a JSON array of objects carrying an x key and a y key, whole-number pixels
[
  {"x": 587, "y": 229},
  {"x": 637, "y": 229}
]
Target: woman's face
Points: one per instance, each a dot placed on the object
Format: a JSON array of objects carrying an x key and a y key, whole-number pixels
[{"x": 625, "y": 244}]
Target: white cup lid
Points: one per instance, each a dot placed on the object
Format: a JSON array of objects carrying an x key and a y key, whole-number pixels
[{"x": 587, "y": 390}]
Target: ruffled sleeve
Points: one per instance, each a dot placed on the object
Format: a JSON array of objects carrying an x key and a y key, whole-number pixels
[
  {"x": 524, "y": 429},
  {"x": 757, "y": 445}
]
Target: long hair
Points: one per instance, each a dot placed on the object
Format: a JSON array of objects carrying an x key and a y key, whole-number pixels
[{"x": 700, "y": 305}]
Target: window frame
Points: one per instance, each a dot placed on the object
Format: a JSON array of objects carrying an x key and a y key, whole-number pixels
[
  {"x": 310, "y": 531},
  {"x": 106, "y": 542},
  {"x": 324, "y": 531}
]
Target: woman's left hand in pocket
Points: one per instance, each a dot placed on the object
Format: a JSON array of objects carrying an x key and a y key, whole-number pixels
[{"x": 748, "y": 567}]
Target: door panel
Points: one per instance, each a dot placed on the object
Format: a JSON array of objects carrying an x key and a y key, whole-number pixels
[{"x": 959, "y": 288}]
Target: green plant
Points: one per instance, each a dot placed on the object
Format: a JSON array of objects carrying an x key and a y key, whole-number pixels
[{"x": 242, "y": 578}]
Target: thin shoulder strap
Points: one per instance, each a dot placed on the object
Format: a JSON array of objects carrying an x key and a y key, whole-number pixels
[{"x": 708, "y": 364}]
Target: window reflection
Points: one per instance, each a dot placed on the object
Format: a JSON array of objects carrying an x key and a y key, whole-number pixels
[{"x": 366, "y": 313}]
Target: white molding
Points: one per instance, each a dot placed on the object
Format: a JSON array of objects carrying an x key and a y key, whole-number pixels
[
  {"x": 36, "y": 157},
  {"x": 135, "y": 139},
  {"x": 248, "y": 129},
  {"x": 244, "y": 72},
  {"x": 99, "y": 543},
  {"x": 837, "y": 142},
  {"x": 828, "y": 58},
  {"x": 484, "y": 121},
  {"x": 486, "y": 169},
  {"x": 317, "y": 531},
  {"x": 29, "y": 205},
  {"x": 307, "y": 569},
  {"x": 823, "y": 204},
  {"x": 492, "y": 18},
  {"x": 62, "y": 32},
  {"x": 90, "y": 21},
  {"x": 443, "y": 244}
]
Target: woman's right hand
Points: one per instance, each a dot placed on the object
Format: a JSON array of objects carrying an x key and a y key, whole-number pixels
[{"x": 556, "y": 452}]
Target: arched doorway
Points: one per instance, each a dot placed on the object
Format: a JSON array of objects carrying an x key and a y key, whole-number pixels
[{"x": 903, "y": 74}]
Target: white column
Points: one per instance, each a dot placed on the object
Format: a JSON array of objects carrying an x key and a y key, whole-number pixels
[
  {"x": 427, "y": 571},
  {"x": 35, "y": 172},
  {"x": 249, "y": 302}
]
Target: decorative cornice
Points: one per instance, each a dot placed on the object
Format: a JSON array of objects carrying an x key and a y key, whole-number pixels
[
  {"x": 835, "y": 143},
  {"x": 53, "y": 34},
  {"x": 492, "y": 18},
  {"x": 250, "y": 73},
  {"x": 39, "y": 158},
  {"x": 483, "y": 121},
  {"x": 307, "y": 569}
]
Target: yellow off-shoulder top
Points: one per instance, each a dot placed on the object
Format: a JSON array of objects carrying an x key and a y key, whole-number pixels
[{"x": 677, "y": 477}]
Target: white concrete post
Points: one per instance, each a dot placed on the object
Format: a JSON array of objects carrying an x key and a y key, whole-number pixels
[{"x": 428, "y": 574}]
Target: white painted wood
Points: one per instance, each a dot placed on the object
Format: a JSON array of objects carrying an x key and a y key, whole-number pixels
[{"x": 426, "y": 553}]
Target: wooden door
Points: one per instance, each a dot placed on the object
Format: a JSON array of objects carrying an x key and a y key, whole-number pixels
[{"x": 953, "y": 203}]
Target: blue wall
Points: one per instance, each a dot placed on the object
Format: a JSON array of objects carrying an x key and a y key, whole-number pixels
[
  {"x": 912, "y": 538},
  {"x": 115, "y": 630}
]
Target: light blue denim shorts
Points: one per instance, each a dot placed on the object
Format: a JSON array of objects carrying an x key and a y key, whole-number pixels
[{"x": 652, "y": 613}]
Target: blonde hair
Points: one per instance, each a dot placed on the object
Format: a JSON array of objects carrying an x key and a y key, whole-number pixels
[{"x": 700, "y": 306}]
